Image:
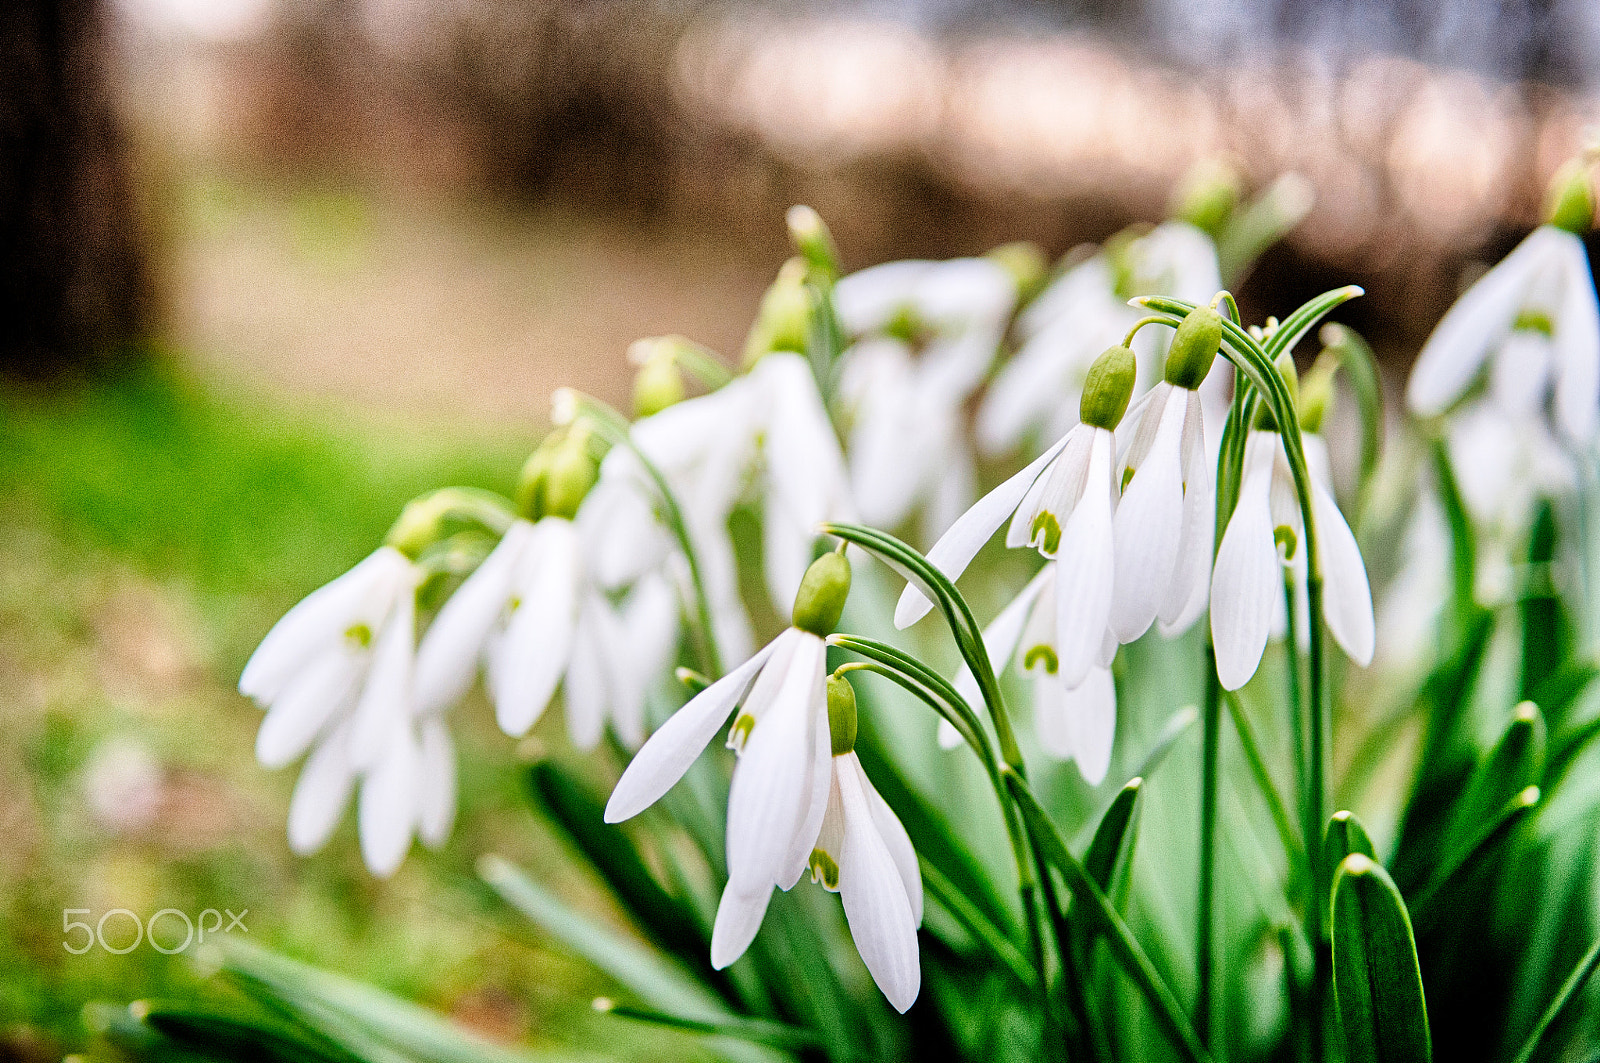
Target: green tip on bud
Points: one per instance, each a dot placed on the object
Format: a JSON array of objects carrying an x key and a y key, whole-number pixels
[
  {"x": 557, "y": 476},
  {"x": 820, "y": 603},
  {"x": 814, "y": 242},
  {"x": 1108, "y": 387},
  {"x": 1569, "y": 203},
  {"x": 841, "y": 714},
  {"x": 1025, "y": 261},
  {"x": 1208, "y": 195},
  {"x": 657, "y": 385},
  {"x": 1194, "y": 347},
  {"x": 783, "y": 322}
]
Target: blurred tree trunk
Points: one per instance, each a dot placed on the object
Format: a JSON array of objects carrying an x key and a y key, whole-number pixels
[{"x": 73, "y": 286}]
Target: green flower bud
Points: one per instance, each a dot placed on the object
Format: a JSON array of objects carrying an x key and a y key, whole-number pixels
[
  {"x": 530, "y": 483},
  {"x": 1107, "y": 388},
  {"x": 1026, "y": 263},
  {"x": 416, "y": 529},
  {"x": 820, "y": 603},
  {"x": 783, "y": 322},
  {"x": 1208, "y": 196},
  {"x": 1291, "y": 379},
  {"x": 1194, "y": 347},
  {"x": 572, "y": 472},
  {"x": 814, "y": 242},
  {"x": 841, "y": 714},
  {"x": 1317, "y": 393},
  {"x": 1569, "y": 204},
  {"x": 657, "y": 385}
]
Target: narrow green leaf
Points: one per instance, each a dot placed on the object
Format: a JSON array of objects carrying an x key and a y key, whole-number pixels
[
  {"x": 1463, "y": 546},
  {"x": 976, "y": 923},
  {"x": 580, "y": 815},
  {"x": 1546, "y": 628},
  {"x": 758, "y": 1031},
  {"x": 1377, "y": 982},
  {"x": 1110, "y": 848},
  {"x": 1346, "y": 837},
  {"x": 1567, "y": 752},
  {"x": 1567, "y": 994},
  {"x": 229, "y": 1036},
  {"x": 1277, "y": 807},
  {"x": 1090, "y": 902},
  {"x": 1471, "y": 855},
  {"x": 1515, "y": 762},
  {"x": 1304, "y": 319}
]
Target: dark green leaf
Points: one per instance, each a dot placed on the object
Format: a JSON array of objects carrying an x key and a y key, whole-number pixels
[
  {"x": 232, "y": 1036},
  {"x": 1515, "y": 762},
  {"x": 1377, "y": 982}
]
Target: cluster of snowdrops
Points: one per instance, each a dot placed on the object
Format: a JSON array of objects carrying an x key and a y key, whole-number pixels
[{"x": 1172, "y": 473}]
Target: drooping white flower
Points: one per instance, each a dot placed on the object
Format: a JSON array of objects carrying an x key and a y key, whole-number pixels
[
  {"x": 335, "y": 673},
  {"x": 1072, "y": 320},
  {"x": 1534, "y": 320},
  {"x": 1075, "y": 721},
  {"x": 534, "y": 617},
  {"x": 1264, "y": 534},
  {"x": 1163, "y": 527}
]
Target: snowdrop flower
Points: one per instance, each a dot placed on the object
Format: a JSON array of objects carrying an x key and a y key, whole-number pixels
[
  {"x": 1074, "y": 720},
  {"x": 1062, "y": 504},
  {"x": 782, "y": 784},
  {"x": 1263, "y": 536},
  {"x": 1533, "y": 319},
  {"x": 907, "y": 442},
  {"x": 1066, "y": 326},
  {"x": 534, "y": 616},
  {"x": 336, "y": 673}
]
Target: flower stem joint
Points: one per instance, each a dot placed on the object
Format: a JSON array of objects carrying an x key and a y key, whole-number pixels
[
  {"x": 820, "y": 602},
  {"x": 1194, "y": 347},
  {"x": 1109, "y": 386}
]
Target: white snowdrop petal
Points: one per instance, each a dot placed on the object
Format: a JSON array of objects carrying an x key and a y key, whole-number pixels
[
  {"x": 876, "y": 906},
  {"x": 958, "y": 546},
  {"x": 650, "y": 619},
  {"x": 320, "y": 620},
  {"x": 1247, "y": 582},
  {"x": 1455, "y": 351},
  {"x": 818, "y": 771},
  {"x": 947, "y": 736},
  {"x": 1026, "y": 388},
  {"x": 739, "y": 916},
  {"x": 388, "y": 804},
  {"x": 1148, "y": 526},
  {"x": 306, "y": 705},
  {"x": 1084, "y": 570},
  {"x": 895, "y": 839},
  {"x": 585, "y": 685},
  {"x": 1090, "y": 716},
  {"x": 663, "y": 759},
  {"x": 868, "y": 299},
  {"x": 1347, "y": 597},
  {"x": 538, "y": 640},
  {"x": 437, "y": 783},
  {"x": 448, "y": 655},
  {"x": 768, "y": 796},
  {"x": 787, "y": 548},
  {"x": 321, "y": 793},
  {"x": 386, "y": 694},
  {"x": 1191, "y": 577},
  {"x": 1577, "y": 346},
  {"x": 1000, "y": 638}
]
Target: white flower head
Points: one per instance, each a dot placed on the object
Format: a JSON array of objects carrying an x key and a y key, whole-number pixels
[
  {"x": 1075, "y": 721},
  {"x": 1265, "y": 534},
  {"x": 1535, "y": 321},
  {"x": 336, "y": 673}
]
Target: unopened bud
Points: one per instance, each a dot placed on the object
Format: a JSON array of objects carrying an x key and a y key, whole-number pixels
[
  {"x": 1208, "y": 196},
  {"x": 1194, "y": 347},
  {"x": 557, "y": 476},
  {"x": 1025, "y": 262},
  {"x": 814, "y": 242},
  {"x": 1569, "y": 204},
  {"x": 657, "y": 385},
  {"x": 784, "y": 320},
  {"x": 841, "y": 714},
  {"x": 1291, "y": 379},
  {"x": 1317, "y": 392},
  {"x": 820, "y": 603},
  {"x": 1107, "y": 388}
]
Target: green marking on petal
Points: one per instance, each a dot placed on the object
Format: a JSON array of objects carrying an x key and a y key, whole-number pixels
[
  {"x": 1127, "y": 477},
  {"x": 739, "y": 733},
  {"x": 1041, "y": 654},
  {"x": 824, "y": 870},
  {"x": 1287, "y": 541},
  {"x": 1532, "y": 319},
  {"x": 359, "y": 634},
  {"x": 1046, "y": 531}
]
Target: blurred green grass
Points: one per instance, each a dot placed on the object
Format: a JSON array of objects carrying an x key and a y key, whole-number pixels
[{"x": 152, "y": 527}]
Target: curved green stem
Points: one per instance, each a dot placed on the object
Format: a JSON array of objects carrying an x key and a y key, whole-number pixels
[
  {"x": 614, "y": 427},
  {"x": 1205, "y": 904}
]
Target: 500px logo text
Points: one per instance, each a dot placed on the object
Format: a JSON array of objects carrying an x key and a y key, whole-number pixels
[{"x": 120, "y": 930}]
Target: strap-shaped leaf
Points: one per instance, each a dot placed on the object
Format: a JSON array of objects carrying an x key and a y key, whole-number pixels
[
  {"x": 1377, "y": 981},
  {"x": 1563, "y": 999},
  {"x": 1515, "y": 762},
  {"x": 1111, "y": 848},
  {"x": 1346, "y": 837},
  {"x": 1471, "y": 855},
  {"x": 232, "y": 1035}
]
